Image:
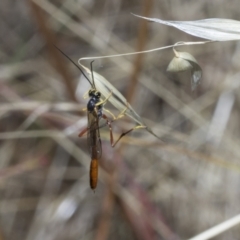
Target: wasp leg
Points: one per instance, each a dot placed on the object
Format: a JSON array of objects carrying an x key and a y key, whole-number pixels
[
  {"x": 108, "y": 111},
  {"x": 85, "y": 95},
  {"x": 83, "y": 132},
  {"x": 113, "y": 144},
  {"x": 125, "y": 133},
  {"x": 105, "y": 100},
  {"x": 122, "y": 113}
]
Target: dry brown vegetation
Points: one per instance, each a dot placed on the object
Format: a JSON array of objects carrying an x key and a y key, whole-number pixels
[{"x": 147, "y": 189}]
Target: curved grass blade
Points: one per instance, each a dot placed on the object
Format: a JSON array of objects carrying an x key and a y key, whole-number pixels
[{"x": 215, "y": 29}]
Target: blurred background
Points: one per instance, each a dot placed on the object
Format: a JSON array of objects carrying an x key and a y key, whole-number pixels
[{"x": 147, "y": 189}]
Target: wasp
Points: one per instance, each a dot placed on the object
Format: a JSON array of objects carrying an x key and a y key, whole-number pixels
[{"x": 95, "y": 113}]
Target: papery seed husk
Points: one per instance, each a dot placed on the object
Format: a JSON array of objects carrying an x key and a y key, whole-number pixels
[
  {"x": 179, "y": 65},
  {"x": 187, "y": 56}
]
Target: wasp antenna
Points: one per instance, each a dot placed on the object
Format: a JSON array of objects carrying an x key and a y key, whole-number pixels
[
  {"x": 92, "y": 74},
  {"x": 74, "y": 64}
]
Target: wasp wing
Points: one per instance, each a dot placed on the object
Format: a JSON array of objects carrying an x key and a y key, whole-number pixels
[{"x": 93, "y": 135}]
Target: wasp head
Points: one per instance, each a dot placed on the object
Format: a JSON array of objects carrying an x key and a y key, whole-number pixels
[{"x": 94, "y": 93}]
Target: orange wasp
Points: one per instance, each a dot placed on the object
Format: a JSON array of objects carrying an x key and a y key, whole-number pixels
[{"x": 95, "y": 113}]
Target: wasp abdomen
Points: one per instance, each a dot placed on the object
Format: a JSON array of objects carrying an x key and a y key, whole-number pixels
[{"x": 94, "y": 173}]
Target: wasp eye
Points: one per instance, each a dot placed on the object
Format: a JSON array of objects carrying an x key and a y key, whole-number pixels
[{"x": 98, "y": 94}]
